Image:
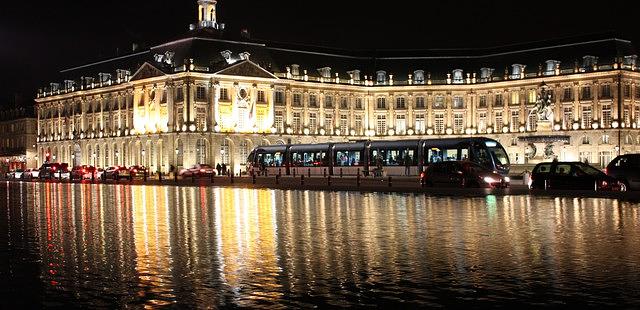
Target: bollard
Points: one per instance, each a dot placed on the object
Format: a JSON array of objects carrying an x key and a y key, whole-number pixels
[
  {"x": 340, "y": 172},
  {"x": 253, "y": 178},
  {"x": 213, "y": 175},
  {"x": 231, "y": 177},
  {"x": 279, "y": 171},
  {"x": 277, "y": 179},
  {"x": 324, "y": 172},
  {"x": 329, "y": 181},
  {"x": 294, "y": 172},
  {"x": 144, "y": 176},
  {"x": 309, "y": 172},
  {"x": 175, "y": 176},
  {"x": 60, "y": 175},
  {"x": 159, "y": 176},
  {"x": 93, "y": 177},
  {"x": 301, "y": 179},
  {"x": 389, "y": 181},
  {"x": 358, "y": 180},
  {"x": 193, "y": 177}
]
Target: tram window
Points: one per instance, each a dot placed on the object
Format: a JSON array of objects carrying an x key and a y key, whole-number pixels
[
  {"x": 309, "y": 159},
  {"x": 483, "y": 157},
  {"x": 348, "y": 158},
  {"x": 271, "y": 160},
  {"x": 393, "y": 157},
  {"x": 435, "y": 155}
]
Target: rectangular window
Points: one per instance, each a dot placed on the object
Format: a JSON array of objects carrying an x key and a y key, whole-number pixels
[
  {"x": 531, "y": 97},
  {"x": 279, "y": 97},
  {"x": 515, "y": 97},
  {"x": 348, "y": 158},
  {"x": 400, "y": 103},
  {"x": 498, "y": 102},
  {"x": 499, "y": 122},
  {"x": 401, "y": 124},
  {"x": 201, "y": 93},
  {"x": 328, "y": 102},
  {"x": 586, "y": 93},
  {"x": 224, "y": 94},
  {"x": 328, "y": 123},
  {"x": 626, "y": 116},
  {"x": 458, "y": 123},
  {"x": 420, "y": 124},
  {"x": 179, "y": 94},
  {"x": 605, "y": 91},
  {"x": 483, "y": 101},
  {"x": 627, "y": 90},
  {"x": 567, "y": 118},
  {"x": 313, "y": 124},
  {"x": 381, "y": 125},
  {"x": 438, "y": 102},
  {"x": 261, "y": 97},
  {"x": 313, "y": 101},
  {"x": 358, "y": 124},
  {"x": 344, "y": 122},
  {"x": 381, "y": 104},
  {"x": 344, "y": 103},
  {"x": 359, "y": 103},
  {"x": 297, "y": 99},
  {"x": 605, "y": 158},
  {"x": 482, "y": 121},
  {"x": 295, "y": 125},
  {"x": 439, "y": 123},
  {"x": 201, "y": 116},
  {"x": 532, "y": 122},
  {"x": 420, "y": 102},
  {"x": 162, "y": 100},
  {"x": 279, "y": 121},
  {"x": 637, "y": 92},
  {"x": 587, "y": 118},
  {"x": 568, "y": 94},
  {"x": 458, "y": 102},
  {"x": 606, "y": 116},
  {"x": 515, "y": 121}
]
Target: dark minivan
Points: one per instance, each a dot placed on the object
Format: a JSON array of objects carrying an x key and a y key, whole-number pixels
[
  {"x": 626, "y": 169},
  {"x": 462, "y": 173},
  {"x": 572, "y": 175}
]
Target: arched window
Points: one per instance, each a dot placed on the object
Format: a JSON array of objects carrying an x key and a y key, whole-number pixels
[
  {"x": 224, "y": 151},
  {"x": 202, "y": 14},
  {"x": 211, "y": 15},
  {"x": 201, "y": 151},
  {"x": 244, "y": 151},
  {"x": 97, "y": 152}
]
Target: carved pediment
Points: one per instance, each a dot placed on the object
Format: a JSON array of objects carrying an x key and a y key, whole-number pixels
[
  {"x": 247, "y": 68},
  {"x": 146, "y": 71}
]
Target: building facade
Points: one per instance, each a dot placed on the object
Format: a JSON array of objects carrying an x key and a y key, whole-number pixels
[
  {"x": 211, "y": 98},
  {"x": 18, "y": 131}
]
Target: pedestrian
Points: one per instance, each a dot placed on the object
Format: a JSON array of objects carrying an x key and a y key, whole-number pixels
[
  {"x": 224, "y": 168},
  {"x": 219, "y": 169},
  {"x": 407, "y": 164}
]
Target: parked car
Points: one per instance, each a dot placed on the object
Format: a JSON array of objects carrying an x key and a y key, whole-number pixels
[
  {"x": 83, "y": 172},
  {"x": 463, "y": 174},
  {"x": 200, "y": 170},
  {"x": 116, "y": 173},
  {"x": 30, "y": 173},
  {"x": 54, "y": 170},
  {"x": 626, "y": 169},
  {"x": 137, "y": 171},
  {"x": 572, "y": 175},
  {"x": 99, "y": 173}
]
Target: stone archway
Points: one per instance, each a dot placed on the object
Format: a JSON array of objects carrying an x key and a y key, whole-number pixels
[{"x": 76, "y": 155}]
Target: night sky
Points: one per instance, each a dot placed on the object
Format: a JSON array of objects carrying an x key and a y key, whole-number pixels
[{"x": 35, "y": 44}]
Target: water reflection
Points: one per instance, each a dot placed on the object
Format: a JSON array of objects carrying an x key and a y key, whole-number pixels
[{"x": 148, "y": 246}]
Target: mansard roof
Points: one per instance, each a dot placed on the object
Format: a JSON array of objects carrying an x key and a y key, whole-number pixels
[{"x": 206, "y": 51}]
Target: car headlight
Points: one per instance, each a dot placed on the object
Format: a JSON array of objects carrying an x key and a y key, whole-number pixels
[
  {"x": 490, "y": 180},
  {"x": 507, "y": 179}
]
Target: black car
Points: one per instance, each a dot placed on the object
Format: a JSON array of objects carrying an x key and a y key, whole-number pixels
[
  {"x": 462, "y": 174},
  {"x": 572, "y": 175},
  {"x": 626, "y": 169}
]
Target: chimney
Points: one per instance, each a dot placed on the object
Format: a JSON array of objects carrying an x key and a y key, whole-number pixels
[{"x": 244, "y": 33}]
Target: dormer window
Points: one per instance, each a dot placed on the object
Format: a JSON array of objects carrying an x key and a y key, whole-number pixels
[
  {"x": 589, "y": 62},
  {"x": 355, "y": 75},
  {"x": 381, "y": 77},
  {"x": 122, "y": 75},
  {"x": 458, "y": 76},
  {"x": 325, "y": 72},
  {"x": 418, "y": 76},
  {"x": 517, "y": 71},
  {"x": 104, "y": 78},
  {"x": 244, "y": 55},
  {"x": 54, "y": 86},
  {"x": 226, "y": 54},
  {"x": 550, "y": 67},
  {"x": 69, "y": 85},
  {"x": 630, "y": 61},
  {"x": 295, "y": 70},
  {"x": 485, "y": 74}
]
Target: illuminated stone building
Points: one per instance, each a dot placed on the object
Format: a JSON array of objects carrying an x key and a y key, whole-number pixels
[
  {"x": 210, "y": 97},
  {"x": 17, "y": 139}
]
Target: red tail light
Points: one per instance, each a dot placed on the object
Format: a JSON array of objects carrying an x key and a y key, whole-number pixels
[
  {"x": 201, "y": 170},
  {"x": 135, "y": 170},
  {"x": 605, "y": 171}
]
